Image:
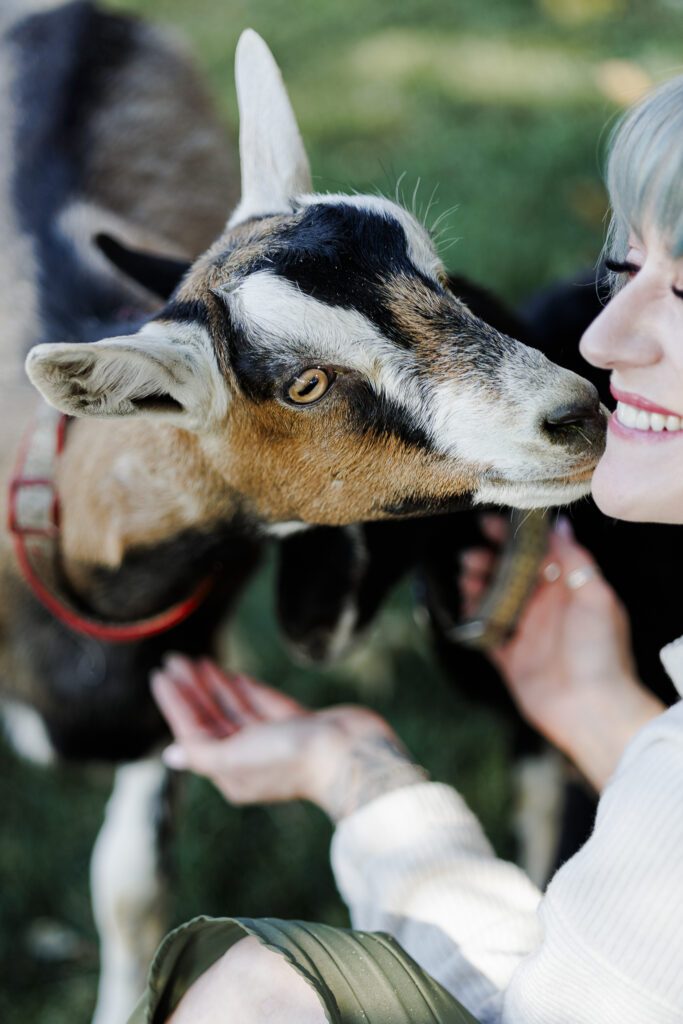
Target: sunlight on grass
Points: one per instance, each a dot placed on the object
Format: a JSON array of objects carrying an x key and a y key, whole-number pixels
[
  {"x": 622, "y": 81},
  {"x": 495, "y": 69},
  {"x": 581, "y": 12}
]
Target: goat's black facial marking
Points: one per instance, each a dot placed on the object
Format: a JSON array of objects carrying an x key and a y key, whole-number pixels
[
  {"x": 188, "y": 312},
  {"x": 341, "y": 255},
  {"x": 419, "y": 506},
  {"x": 378, "y": 415}
]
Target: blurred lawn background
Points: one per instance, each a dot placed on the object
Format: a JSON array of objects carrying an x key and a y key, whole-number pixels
[{"x": 494, "y": 110}]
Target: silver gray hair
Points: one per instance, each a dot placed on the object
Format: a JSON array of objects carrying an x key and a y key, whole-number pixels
[{"x": 645, "y": 170}]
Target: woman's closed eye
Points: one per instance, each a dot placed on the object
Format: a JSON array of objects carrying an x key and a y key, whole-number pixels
[
  {"x": 626, "y": 267},
  {"x": 616, "y": 267}
]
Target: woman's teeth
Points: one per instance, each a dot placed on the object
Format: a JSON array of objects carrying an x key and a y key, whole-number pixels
[{"x": 638, "y": 419}]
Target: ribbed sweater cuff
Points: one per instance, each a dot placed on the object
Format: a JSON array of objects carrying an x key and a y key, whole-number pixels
[
  {"x": 405, "y": 829},
  {"x": 394, "y": 820}
]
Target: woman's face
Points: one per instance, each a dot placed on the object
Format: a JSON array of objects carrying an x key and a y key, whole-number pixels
[{"x": 639, "y": 337}]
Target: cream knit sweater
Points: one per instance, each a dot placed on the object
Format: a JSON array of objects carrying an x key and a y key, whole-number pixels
[{"x": 603, "y": 945}]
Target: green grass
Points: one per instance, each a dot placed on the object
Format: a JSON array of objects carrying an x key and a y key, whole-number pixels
[{"x": 500, "y": 107}]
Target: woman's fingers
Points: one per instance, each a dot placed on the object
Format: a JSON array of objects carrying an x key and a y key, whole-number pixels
[
  {"x": 568, "y": 563},
  {"x": 189, "y": 680},
  {"x": 271, "y": 705},
  {"x": 478, "y": 561},
  {"x": 226, "y": 691},
  {"x": 476, "y": 567},
  {"x": 566, "y": 570},
  {"x": 187, "y": 717},
  {"x": 495, "y": 528},
  {"x": 472, "y": 591},
  {"x": 246, "y": 698},
  {"x": 200, "y": 701}
]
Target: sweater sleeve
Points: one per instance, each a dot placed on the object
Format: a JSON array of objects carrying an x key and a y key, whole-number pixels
[
  {"x": 612, "y": 917},
  {"x": 415, "y": 863}
]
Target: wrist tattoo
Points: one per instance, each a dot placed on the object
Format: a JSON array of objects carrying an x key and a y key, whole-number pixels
[{"x": 374, "y": 766}]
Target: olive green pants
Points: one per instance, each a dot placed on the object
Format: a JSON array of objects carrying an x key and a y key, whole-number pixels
[{"x": 359, "y": 977}]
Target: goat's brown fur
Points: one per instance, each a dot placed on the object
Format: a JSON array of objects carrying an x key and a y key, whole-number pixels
[
  {"x": 126, "y": 486},
  {"x": 300, "y": 466}
]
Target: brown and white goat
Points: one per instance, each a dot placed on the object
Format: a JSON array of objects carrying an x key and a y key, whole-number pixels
[{"x": 312, "y": 367}]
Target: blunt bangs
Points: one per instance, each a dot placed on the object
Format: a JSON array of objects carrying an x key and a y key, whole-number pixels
[{"x": 645, "y": 171}]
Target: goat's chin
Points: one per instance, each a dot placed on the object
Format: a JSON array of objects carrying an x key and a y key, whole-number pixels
[{"x": 531, "y": 493}]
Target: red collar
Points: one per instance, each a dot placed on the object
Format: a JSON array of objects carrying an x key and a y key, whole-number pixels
[{"x": 33, "y": 521}]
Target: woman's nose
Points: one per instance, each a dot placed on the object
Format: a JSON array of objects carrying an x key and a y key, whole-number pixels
[{"x": 622, "y": 335}]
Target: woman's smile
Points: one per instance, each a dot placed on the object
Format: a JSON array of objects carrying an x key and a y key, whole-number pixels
[
  {"x": 633, "y": 424},
  {"x": 639, "y": 419},
  {"x": 632, "y": 400}
]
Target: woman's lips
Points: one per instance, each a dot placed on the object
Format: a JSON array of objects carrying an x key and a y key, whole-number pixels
[{"x": 640, "y": 403}]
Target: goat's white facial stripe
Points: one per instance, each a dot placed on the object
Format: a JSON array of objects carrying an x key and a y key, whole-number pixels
[{"x": 284, "y": 322}]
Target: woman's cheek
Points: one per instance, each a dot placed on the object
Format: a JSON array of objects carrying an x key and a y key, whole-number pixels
[
  {"x": 606, "y": 495},
  {"x": 620, "y": 487},
  {"x": 636, "y": 482}
]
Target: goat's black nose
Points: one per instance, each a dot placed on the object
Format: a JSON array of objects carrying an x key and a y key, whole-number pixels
[{"x": 585, "y": 414}]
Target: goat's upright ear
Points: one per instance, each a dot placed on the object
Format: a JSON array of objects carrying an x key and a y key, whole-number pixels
[
  {"x": 272, "y": 157},
  {"x": 167, "y": 371}
]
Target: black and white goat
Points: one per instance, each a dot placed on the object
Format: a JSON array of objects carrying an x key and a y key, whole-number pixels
[{"x": 312, "y": 367}]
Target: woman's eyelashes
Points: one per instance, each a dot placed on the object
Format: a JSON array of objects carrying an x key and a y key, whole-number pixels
[
  {"x": 622, "y": 268},
  {"x": 626, "y": 267}
]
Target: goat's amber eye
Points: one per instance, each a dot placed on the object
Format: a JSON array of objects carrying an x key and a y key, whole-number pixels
[{"x": 309, "y": 386}]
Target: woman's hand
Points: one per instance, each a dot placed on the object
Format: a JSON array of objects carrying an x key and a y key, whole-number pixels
[
  {"x": 569, "y": 666},
  {"x": 259, "y": 746}
]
